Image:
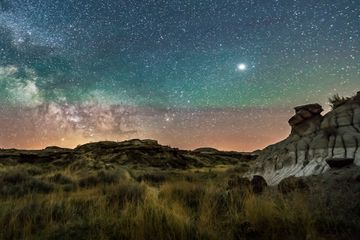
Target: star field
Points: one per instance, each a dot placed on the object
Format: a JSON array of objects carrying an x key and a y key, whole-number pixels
[{"x": 189, "y": 73}]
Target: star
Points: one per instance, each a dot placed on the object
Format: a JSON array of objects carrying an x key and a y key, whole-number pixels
[{"x": 241, "y": 67}]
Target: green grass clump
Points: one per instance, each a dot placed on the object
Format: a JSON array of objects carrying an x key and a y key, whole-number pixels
[
  {"x": 125, "y": 193},
  {"x": 102, "y": 177},
  {"x": 17, "y": 183},
  {"x": 190, "y": 195}
]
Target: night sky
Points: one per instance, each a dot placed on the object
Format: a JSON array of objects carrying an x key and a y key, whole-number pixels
[{"x": 190, "y": 73}]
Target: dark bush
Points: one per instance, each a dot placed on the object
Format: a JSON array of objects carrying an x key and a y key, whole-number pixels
[
  {"x": 33, "y": 170},
  {"x": 60, "y": 179},
  {"x": 109, "y": 177},
  {"x": 14, "y": 177},
  {"x": 89, "y": 181},
  {"x": 69, "y": 187},
  {"x": 18, "y": 183},
  {"x": 152, "y": 177},
  {"x": 208, "y": 175},
  {"x": 336, "y": 101},
  {"x": 32, "y": 185}
]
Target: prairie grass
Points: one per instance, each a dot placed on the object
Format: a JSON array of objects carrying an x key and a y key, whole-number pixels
[{"x": 116, "y": 206}]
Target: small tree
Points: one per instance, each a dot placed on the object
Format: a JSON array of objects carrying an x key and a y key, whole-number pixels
[{"x": 336, "y": 101}]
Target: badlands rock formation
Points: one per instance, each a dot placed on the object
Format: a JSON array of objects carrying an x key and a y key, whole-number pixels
[{"x": 313, "y": 139}]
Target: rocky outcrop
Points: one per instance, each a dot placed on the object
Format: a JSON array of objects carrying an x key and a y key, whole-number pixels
[
  {"x": 258, "y": 184},
  {"x": 357, "y": 178},
  {"x": 306, "y": 120},
  {"x": 291, "y": 184},
  {"x": 313, "y": 139},
  {"x": 304, "y": 112}
]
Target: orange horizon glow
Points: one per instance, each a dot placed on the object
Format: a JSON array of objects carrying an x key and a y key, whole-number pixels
[{"x": 243, "y": 130}]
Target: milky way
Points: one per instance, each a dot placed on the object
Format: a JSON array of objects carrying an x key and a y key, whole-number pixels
[{"x": 189, "y": 73}]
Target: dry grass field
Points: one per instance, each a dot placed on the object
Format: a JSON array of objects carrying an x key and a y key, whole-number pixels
[{"x": 37, "y": 202}]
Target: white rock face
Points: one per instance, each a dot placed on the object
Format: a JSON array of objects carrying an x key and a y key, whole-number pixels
[{"x": 311, "y": 142}]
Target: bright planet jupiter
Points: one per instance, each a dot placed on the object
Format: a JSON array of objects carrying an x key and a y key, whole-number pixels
[
  {"x": 191, "y": 73},
  {"x": 241, "y": 66}
]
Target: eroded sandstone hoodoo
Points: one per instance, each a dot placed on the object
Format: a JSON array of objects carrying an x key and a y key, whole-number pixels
[
  {"x": 304, "y": 112},
  {"x": 307, "y": 119},
  {"x": 313, "y": 139}
]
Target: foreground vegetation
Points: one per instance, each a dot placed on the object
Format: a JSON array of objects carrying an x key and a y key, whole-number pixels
[{"x": 125, "y": 204}]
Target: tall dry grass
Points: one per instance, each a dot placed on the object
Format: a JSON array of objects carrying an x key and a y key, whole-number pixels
[{"x": 118, "y": 208}]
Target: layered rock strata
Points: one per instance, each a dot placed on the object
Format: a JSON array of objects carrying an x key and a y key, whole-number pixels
[{"x": 313, "y": 139}]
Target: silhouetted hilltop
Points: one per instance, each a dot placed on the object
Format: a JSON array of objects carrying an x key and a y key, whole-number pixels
[{"x": 136, "y": 152}]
